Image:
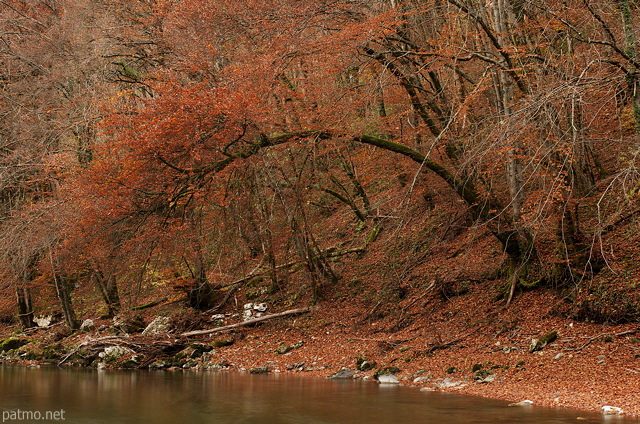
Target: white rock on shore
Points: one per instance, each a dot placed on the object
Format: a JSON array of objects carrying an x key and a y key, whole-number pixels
[{"x": 612, "y": 410}]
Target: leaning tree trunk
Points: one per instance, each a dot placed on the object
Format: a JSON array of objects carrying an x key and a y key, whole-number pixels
[
  {"x": 64, "y": 295},
  {"x": 109, "y": 291}
]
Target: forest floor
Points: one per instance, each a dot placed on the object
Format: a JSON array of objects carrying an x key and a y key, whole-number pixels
[{"x": 586, "y": 367}]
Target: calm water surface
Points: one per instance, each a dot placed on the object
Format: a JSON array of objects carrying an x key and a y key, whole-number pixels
[{"x": 90, "y": 396}]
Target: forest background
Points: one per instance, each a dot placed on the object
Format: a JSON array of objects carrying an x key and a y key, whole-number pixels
[{"x": 297, "y": 152}]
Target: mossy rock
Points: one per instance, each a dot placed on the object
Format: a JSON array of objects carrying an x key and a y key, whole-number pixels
[
  {"x": 283, "y": 348},
  {"x": 113, "y": 354},
  {"x": 451, "y": 370},
  {"x": 201, "y": 347},
  {"x": 12, "y": 343},
  {"x": 132, "y": 362},
  {"x": 364, "y": 364},
  {"x": 33, "y": 356},
  {"x": 542, "y": 342},
  {"x": 53, "y": 352},
  {"x": 482, "y": 374},
  {"x": 367, "y": 366},
  {"x": 85, "y": 358},
  {"x": 386, "y": 370},
  {"x": 260, "y": 370},
  {"x": 222, "y": 343},
  {"x": 187, "y": 354}
]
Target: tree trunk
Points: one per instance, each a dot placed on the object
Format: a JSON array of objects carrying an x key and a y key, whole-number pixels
[
  {"x": 109, "y": 291},
  {"x": 25, "y": 306},
  {"x": 201, "y": 295},
  {"x": 64, "y": 295}
]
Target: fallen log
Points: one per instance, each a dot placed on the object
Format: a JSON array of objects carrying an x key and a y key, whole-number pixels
[{"x": 248, "y": 322}]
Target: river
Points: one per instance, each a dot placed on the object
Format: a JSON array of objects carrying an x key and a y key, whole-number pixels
[{"x": 186, "y": 397}]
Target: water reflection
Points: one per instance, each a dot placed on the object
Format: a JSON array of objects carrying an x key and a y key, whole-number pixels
[{"x": 89, "y": 396}]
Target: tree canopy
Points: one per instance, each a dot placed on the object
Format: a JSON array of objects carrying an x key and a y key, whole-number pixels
[{"x": 196, "y": 143}]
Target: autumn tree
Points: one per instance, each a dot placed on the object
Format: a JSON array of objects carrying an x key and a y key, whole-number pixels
[{"x": 508, "y": 103}]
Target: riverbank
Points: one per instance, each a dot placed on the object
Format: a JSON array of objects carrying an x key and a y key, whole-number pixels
[
  {"x": 466, "y": 345},
  {"x": 587, "y": 367}
]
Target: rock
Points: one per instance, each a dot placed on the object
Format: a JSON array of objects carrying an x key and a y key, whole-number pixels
[
  {"x": 422, "y": 379},
  {"x": 247, "y": 313},
  {"x": 12, "y": 343},
  {"x": 159, "y": 325},
  {"x": 558, "y": 356},
  {"x": 364, "y": 365},
  {"x": 43, "y": 320},
  {"x": 187, "y": 354},
  {"x": 133, "y": 362},
  {"x": 315, "y": 368},
  {"x": 488, "y": 379},
  {"x": 223, "y": 364},
  {"x": 253, "y": 310},
  {"x": 87, "y": 325},
  {"x": 298, "y": 367},
  {"x": 448, "y": 383},
  {"x": 129, "y": 325},
  {"x": 201, "y": 347},
  {"x": 342, "y": 374},
  {"x": 482, "y": 375},
  {"x": 525, "y": 402},
  {"x": 260, "y": 370},
  {"x": 113, "y": 353},
  {"x": 367, "y": 366},
  {"x": 388, "y": 379},
  {"x": 283, "y": 348},
  {"x": 386, "y": 370},
  {"x": 218, "y": 319},
  {"x": 260, "y": 307},
  {"x": 612, "y": 410},
  {"x": 222, "y": 343},
  {"x": 542, "y": 342}
]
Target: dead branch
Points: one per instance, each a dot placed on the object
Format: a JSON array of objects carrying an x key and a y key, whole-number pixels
[
  {"x": 248, "y": 322},
  {"x": 599, "y": 336},
  {"x": 150, "y": 304},
  {"x": 329, "y": 253}
]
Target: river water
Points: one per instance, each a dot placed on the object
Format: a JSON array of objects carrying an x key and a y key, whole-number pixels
[{"x": 158, "y": 397}]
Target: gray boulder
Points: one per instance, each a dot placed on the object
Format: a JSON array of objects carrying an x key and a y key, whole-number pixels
[
  {"x": 342, "y": 374},
  {"x": 87, "y": 325},
  {"x": 388, "y": 379},
  {"x": 160, "y": 325}
]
